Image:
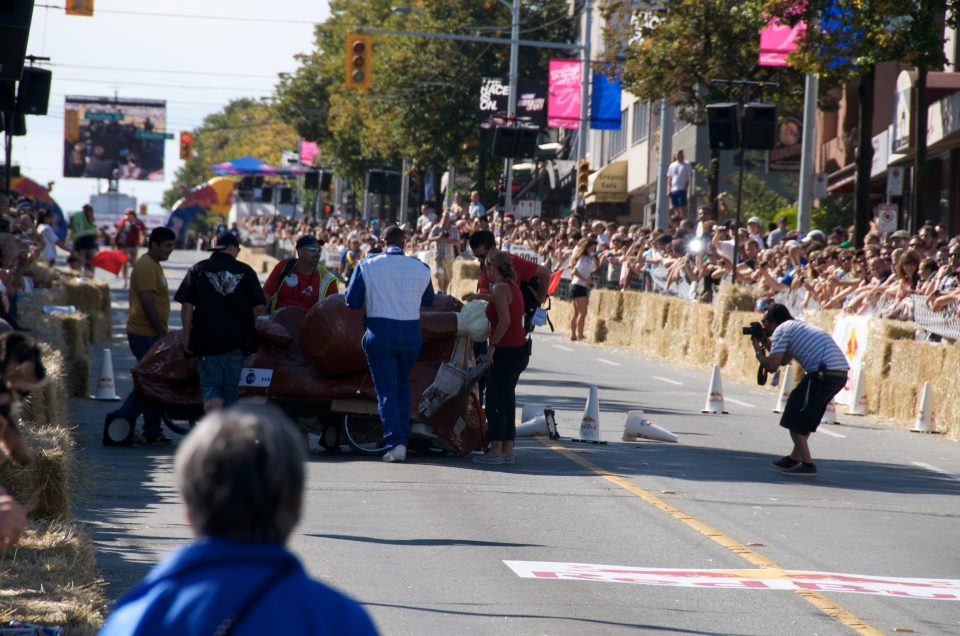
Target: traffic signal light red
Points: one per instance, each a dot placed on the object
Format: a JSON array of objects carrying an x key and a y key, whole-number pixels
[
  {"x": 359, "y": 61},
  {"x": 186, "y": 146},
  {"x": 583, "y": 177}
]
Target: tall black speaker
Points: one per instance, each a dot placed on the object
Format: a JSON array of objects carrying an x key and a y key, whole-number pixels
[
  {"x": 15, "y": 17},
  {"x": 759, "y": 126},
  {"x": 722, "y": 125},
  {"x": 512, "y": 142},
  {"x": 311, "y": 180},
  {"x": 33, "y": 93},
  {"x": 527, "y": 143},
  {"x": 376, "y": 182}
]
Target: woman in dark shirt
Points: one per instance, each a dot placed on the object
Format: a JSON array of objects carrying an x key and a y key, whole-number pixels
[{"x": 508, "y": 353}]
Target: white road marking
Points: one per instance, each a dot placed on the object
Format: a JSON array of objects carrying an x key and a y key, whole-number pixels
[
  {"x": 610, "y": 362},
  {"x": 667, "y": 380},
  {"x": 936, "y": 470},
  {"x": 827, "y": 431},
  {"x": 562, "y": 348},
  {"x": 741, "y": 403}
]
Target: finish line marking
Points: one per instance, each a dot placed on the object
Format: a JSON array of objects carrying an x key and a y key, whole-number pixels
[
  {"x": 933, "y": 468},
  {"x": 759, "y": 579},
  {"x": 741, "y": 403},
  {"x": 610, "y": 362},
  {"x": 752, "y": 557},
  {"x": 667, "y": 380}
]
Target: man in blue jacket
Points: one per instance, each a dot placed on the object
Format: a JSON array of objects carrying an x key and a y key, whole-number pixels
[
  {"x": 241, "y": 473},
  {"x": 393, "y": 288}
]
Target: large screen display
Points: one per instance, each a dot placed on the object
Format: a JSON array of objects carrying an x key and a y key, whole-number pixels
[{"x": 107, "y": 137}]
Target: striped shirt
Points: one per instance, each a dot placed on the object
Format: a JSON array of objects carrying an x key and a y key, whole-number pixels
[{"x": 813, "y": 348}]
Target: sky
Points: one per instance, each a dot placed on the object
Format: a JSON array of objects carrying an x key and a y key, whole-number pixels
[{"x": 157, "y": 50}]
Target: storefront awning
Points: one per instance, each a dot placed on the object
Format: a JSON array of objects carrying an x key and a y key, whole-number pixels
[{"x": 608, "y": 184}]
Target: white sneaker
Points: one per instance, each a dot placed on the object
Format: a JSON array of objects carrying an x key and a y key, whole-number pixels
[{"x": 396, "y": 454}]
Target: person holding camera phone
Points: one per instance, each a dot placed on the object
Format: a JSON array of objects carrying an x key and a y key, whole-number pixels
[{"x": 826, "y": 370}]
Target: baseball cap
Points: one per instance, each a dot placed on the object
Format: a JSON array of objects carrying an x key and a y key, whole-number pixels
[
  {"x": 900, "y": 234},
  {"x": 224, "y": 240},
  {"x": 754, "y": 219},
  {"x": 308, "y": 241},
  {"x": 815, "y": 235}
]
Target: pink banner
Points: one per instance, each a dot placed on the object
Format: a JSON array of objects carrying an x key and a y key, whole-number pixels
[
  {"x": 308, "y": 152},
  {"x": 563, "y": 94},
  {"x": 777, "y": 41}
]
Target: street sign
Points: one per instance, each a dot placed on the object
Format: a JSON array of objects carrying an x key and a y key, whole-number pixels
[
  {"x": 102, "y": 116},
  {"x": 149, "y": 134},
  {"x": 820, "y": 185},
  {"x": 526, "y": 208},
  {"x": 895, "y": 181},
  {"x": 887, "y": 217}
]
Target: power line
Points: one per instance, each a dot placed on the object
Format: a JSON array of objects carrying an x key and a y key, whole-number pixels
[
  {"x": 188, "y": 16},
  {"x": 157, "y": 70},
  {"x": 180, "y": 86}
]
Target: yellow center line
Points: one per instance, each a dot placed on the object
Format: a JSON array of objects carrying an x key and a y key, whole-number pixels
[{"x": 818, "y": 600}]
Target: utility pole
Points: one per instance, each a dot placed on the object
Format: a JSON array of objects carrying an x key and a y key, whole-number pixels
[
  {"x": 805, "y": 196},
  {"x": 585, "y": 39},
  {"x": 404, "y": 191},
  {"x": 666, "y": 150},
  {"x": 512, "y": 98}
]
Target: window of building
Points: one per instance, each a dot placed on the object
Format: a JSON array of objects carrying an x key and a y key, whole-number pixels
[
  {"x": 641, "y": 121},
  {"x": 617, "y": 139}
]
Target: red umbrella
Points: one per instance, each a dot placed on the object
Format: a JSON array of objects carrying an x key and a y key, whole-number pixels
[{"x": 109, "y": 260}]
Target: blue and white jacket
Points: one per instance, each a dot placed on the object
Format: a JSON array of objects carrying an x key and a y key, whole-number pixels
[{"x": 391, "y": 286}]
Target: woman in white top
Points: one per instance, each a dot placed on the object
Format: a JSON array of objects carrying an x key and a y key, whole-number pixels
[
  {"x": 584, "y": 262},
  {"x": 48, "y": 251}
]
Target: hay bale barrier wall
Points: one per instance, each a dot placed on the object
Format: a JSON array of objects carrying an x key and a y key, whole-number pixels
[
  {"x": 700, "y": 335},
  {"x": 50, "y": 577}
]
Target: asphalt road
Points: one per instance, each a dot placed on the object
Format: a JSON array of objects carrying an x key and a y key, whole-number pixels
[{"x": 423, "y": 545}]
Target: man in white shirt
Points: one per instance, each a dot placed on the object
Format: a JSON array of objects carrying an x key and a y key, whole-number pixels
[
  {"x": 427, "y": 218},
  {"x": 679, "y": 176},
  {"x": 476, "y": 209}
]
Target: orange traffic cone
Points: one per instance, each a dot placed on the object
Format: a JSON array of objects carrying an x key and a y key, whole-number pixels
[
  {"x": 786, "y": 386},
  {"x": 106, "y": 387},
  {"x": 714, "y": 402}
]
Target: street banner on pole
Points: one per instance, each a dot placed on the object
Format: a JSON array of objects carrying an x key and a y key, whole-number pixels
[
  {"x": 777, "y": 41},
  {"x": 563, "y": 94},
  {"x": 605, "y": 103},
  {"x": 494, "y": 95}
]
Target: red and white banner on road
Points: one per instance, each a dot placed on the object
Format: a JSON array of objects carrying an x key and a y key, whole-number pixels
[{"x": 755, "y": 579}]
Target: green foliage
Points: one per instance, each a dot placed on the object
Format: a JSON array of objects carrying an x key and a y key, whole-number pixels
[
  {"x": 758, "y": 198},
  {"x": 244, "y": 127},
  {"x": 836, "y": 209},
  {"x": 681, "y": 45},
  {"x": 423, "y": 103}
]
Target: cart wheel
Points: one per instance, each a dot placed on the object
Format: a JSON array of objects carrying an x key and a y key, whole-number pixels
[
  {"x": 178, "y": 427},
  {"x": 364, "y": 434}
]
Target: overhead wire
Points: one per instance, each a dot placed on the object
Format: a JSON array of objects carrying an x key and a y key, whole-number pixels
[{"x": 189, "y": 16}]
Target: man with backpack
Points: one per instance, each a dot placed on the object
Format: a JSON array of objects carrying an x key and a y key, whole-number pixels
[{"x": 302, "y": 281}]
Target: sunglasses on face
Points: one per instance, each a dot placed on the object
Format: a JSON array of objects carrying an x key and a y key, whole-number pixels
[{"x": 312, "y": 250}]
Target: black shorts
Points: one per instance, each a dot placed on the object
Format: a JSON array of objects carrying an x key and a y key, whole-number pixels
[
  {"x": 85, "y": 243},
  {"x": 579, "y": 291},
  {"x": 808, "y": 402}
]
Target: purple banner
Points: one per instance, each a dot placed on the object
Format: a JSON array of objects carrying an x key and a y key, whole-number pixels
[{"x": 563, "y": 94}]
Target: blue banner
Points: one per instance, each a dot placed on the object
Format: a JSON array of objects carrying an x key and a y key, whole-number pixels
[{"x": 605, "y": 103}]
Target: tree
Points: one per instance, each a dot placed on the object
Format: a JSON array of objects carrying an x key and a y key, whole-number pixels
[
  {"x": 244, "y": 127},
  {"x": 424, "y": 101}
]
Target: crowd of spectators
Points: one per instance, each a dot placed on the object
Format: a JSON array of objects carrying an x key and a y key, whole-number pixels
[{"x": 891, "y": 275}]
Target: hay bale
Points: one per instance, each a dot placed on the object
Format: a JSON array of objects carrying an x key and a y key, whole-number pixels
[
  {"x": 43, "y": 487},
  {"x": 70, "y": 334},
  {"x": 30, "y": 308},
  {"x": 88, "y": 296},
  {"x": 43, "y": 275},
  {"x": 466, "y": 273},
  {"x": 47, "y": 405},
  {"x": 50, "y": 578}
]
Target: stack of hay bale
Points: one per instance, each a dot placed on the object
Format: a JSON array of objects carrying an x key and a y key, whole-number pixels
[{"x": 53, "y": 578}]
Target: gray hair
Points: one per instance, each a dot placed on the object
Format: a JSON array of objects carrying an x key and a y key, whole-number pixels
[{"x": 241, "y": 473}]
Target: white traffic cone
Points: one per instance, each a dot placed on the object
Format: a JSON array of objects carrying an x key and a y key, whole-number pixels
[
  {"x": 639, "y": 427},
  {"x": 106, "y": 387},
  {"x": 858, "y": 403},
  {"x": 924, "y": 423},
  {"x": 530, "y": 411},
  {"x": 714, "y": 402},
  {"x": 786, "y": 386},
  {"x": 537, "y": 425},
  {"x": 829, "y": 415},
  {"x": 590, "y": 423}
]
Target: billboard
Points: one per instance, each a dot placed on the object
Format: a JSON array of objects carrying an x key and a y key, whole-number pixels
[
  {"x": 106, "y": 137},
  {"x": 494, "y": 97}
]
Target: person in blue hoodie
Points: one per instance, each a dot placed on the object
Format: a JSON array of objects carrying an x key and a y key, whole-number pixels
[{"x": 240, "y": 473}]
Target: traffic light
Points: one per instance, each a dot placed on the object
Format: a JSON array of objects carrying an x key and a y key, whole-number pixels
[
  {"x": 583, "y": 177},
  {"x": 186, "y": 146},
  {"x": 359, "y": 60},
  {"x": 80, "y": 7}
]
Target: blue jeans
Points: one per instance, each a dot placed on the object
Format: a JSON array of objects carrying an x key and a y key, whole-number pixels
[
  {"x": 392, "y": 347},
  {"x": 220, "y": 377},
  {"x": 131, "y": 407}
]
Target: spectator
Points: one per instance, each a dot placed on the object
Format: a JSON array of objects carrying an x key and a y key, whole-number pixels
[
  {"x": 780, "y": 233},
  {"x": 302, "y": 281},
  {"x": 130, "y": 234},
  {"x": 241, "y": 476},
  {"x": 583, "y": 262},
  {"x": 445, "y": 240},
  {"x": 476, "y": 207},
  {"x": 83, "y": 234}
]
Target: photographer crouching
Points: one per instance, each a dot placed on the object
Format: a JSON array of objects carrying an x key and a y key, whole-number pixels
[{"x": 826, "y": 369}]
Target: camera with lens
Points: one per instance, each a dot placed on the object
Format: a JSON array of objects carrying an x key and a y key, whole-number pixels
[{"x": 755, "y": 331}]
